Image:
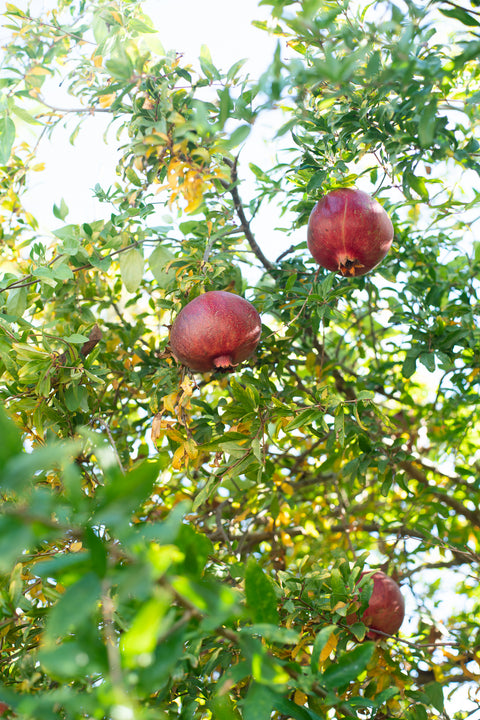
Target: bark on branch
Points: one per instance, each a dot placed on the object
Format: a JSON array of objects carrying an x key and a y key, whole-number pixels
[{"x": 244, "y": 223}]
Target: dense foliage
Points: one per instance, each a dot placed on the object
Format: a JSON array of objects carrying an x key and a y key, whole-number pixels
[{"x": 178, "y": 544}]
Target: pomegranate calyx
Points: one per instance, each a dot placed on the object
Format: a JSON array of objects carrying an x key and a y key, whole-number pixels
[
  {"x": 223, "y": 362},
  {"x": 348, "y": 268}
]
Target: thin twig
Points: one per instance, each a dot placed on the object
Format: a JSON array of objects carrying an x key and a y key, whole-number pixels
[
  {"x": 237, "y": 202},
  {"x": 91, "y": 110},
  {"x": 105, "y": 426}
]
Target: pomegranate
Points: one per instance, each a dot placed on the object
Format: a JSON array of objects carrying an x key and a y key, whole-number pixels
[
  {"x": 217, "y": 330},
  {"x": 386, "y": 607},
  {"x": 349, "y": 232}
]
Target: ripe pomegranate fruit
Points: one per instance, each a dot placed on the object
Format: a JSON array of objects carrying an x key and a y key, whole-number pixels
[
  {"x": 349, "y": 232},
  {"x": 217, "y": 330},
  {"x": 386, "y": 607}
]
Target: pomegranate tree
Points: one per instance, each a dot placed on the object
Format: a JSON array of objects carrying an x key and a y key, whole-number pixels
[
  {"x": 217, "y": 330},
  {"x": 386, "y": 607},
  {"x": 349, "y": 232}
]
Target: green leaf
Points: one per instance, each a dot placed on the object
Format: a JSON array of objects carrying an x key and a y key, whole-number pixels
[
  {"x": 461, "y": 14},
  {"x": 24, "y": 115},
  {"x": 76, "y": 339},
  {"x": 260, "y": 594},
  {"x": 84, "y": 596},
  {"x": 434, "y": 691},
  {"x": 142, "y": 635},
  {"x": 416, "y": 183},
  {"x": 157, "y": 262},
  {"x": 225, "y": 106},
  {"x": 258, "y": 703},
  {"x": 428, "y": 361},
  {"x": 16, "y": 537},
  {"x": 416, "y": 712},
  {"x": 426, "y": 124},
  {"x": 61, "y": 211},
  {"x": 409, "y": 365},
  {"x": 238, "y": 136},
  {"x": 76, "y": 397},
  {"x": 349, "y": 666},
  {"x": 272, "y": 633},
  {"x": 196, "y": 549},
  {"x": 131, "y": 268},
  {"x": 17, "y": 301},
  {"x": 7, "y": 138},
  {"x": 339, "y": 425},
  {"x": 291, "y": 710},
  {"x": 20, "y": 468},
  {"x": 222, "y": 707},
  {"x": 11, "y": 444},
  {"x": 70, "y": 660},
  {"x": 122, "y": 494},
  {"x": 316, "y": 181},
  {"x": 305, "y": 418}
]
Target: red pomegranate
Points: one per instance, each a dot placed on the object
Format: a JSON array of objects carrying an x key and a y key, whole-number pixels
[
  {"x": 349, "y": 232},
  {"x": 217, "y": 330},
  {"x": 386, "y": 607}
]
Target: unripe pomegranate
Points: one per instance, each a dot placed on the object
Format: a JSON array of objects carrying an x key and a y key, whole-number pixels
[
  {"x": 349, "y": 232},
  {"x": 217, "y": 330},
  {"x": 386, "y": 607}
]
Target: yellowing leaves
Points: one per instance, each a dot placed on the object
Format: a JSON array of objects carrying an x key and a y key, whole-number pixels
[
  {"x": 106, "y": 101},
  {"x": 329, "y": 647},
  {"x": 187, "y": 451},
  {"x": 189, "y": 178}
]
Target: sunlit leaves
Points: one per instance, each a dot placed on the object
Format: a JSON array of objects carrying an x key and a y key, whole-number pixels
[
  {"x": 7, "y": 138},
  {"x": 260, "y": 595},
  {"x": 131, "y": 267}
]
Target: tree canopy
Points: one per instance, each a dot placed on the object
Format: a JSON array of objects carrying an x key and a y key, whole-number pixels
[{"x": 179, "y": 544}]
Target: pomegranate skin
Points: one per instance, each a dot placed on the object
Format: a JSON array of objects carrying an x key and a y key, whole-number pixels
[
  {"x": 386, "y": 607},
  {"x": 349, "y": 232},
  {"x": 217, "y": 330}
]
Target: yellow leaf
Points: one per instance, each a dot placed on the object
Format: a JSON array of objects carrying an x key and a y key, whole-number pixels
[
  {"x": 300, "y": 698},
  {"x": 179, "y": 457},
  {"x": 187, "y": 386},
  {"x": 191, "y": 449},
  {"x": 311, "y": 530},
  {"x": 107, "y": 100},
  {"x": 148, "y": 104},
  {"x": 157, "y": 427},
  {"x": 202, "y": 153},
  {"x": 169, "y": 402},
  {"x": 76, "y": 546},
  {"x": 286, "y": 539},
  {"x": 38, "y": 70},
  {"x": 173, "y": 434},
  {"x": 97, "y": 60},
  {"x": 329, "y": 648}
]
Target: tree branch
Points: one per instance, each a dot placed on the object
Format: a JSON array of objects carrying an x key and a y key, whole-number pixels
[
  {"x": 245, "y": 225},
  {"x": 472, "y": 515}
]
